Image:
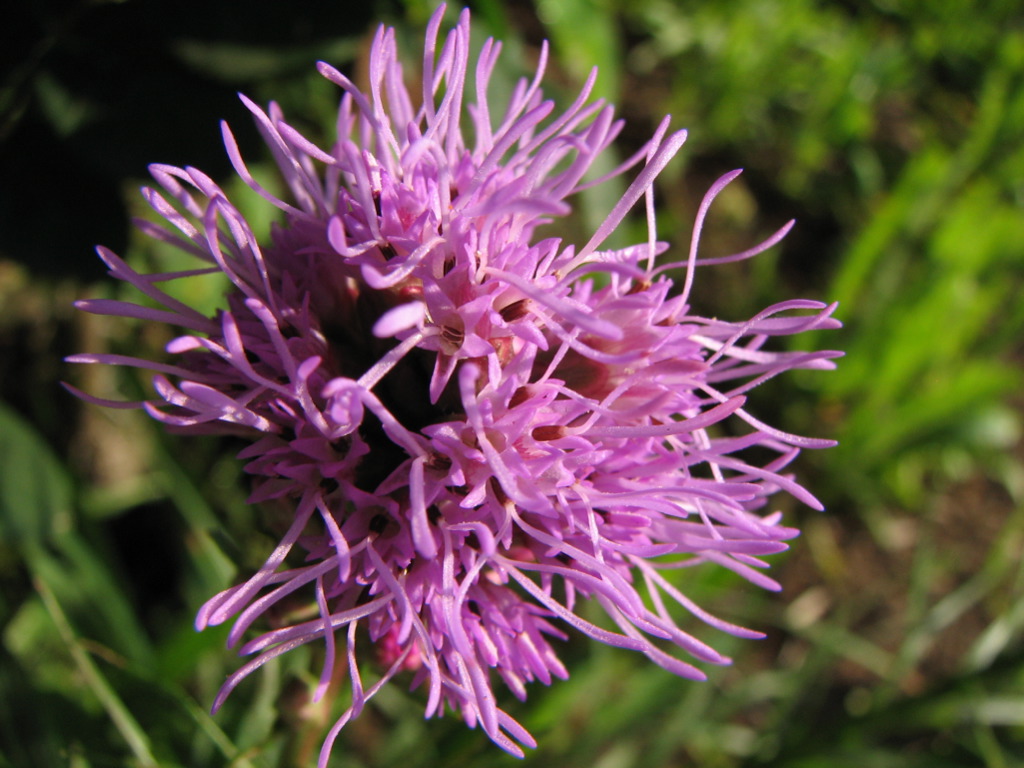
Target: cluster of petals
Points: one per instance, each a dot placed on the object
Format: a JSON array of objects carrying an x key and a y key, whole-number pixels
[{"x": 471, "y": 428}]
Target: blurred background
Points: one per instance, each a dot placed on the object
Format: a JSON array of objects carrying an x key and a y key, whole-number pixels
[{"x": 893, "y": 131}]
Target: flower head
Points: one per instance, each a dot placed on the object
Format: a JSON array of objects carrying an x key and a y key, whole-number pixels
[{"x": 471, "y": 427}]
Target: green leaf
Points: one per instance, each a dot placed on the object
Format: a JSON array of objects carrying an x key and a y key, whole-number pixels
[{"x": 35, "y": 488}]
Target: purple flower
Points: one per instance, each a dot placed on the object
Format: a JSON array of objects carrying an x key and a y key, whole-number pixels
[{"x": 472, "y": 428}]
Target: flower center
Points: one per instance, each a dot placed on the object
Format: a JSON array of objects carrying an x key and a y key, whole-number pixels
[{"x": 352, "y": 350}]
